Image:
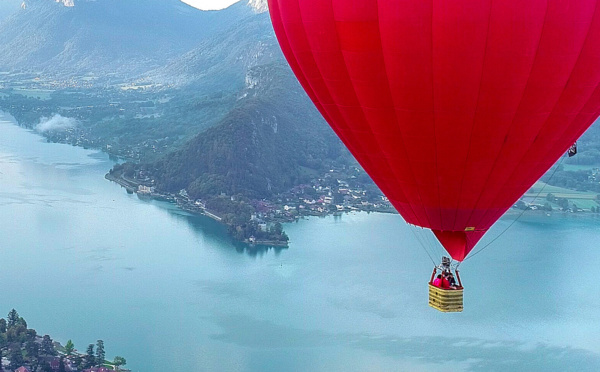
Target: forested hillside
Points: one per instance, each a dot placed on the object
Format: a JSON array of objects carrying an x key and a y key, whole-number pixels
[{"x": 272, "y": 140}]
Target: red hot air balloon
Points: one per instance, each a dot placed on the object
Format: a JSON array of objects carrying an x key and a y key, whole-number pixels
[{"x": 454, "y": 107}]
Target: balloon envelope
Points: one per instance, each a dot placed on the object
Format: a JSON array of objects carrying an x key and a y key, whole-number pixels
[{"x": 454, "y": 107}]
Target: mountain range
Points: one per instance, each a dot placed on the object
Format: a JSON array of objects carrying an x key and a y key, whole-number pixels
[
  {"x": 261, "y": 134},
  {"x": 127, "y": 37}
]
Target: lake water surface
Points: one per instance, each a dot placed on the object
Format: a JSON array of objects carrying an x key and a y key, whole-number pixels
[{"x": 83, "y": 260}]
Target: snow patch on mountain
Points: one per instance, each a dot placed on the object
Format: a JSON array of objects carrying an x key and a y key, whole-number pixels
[
  {"x": 68, "y": 3},
  {"x": 259, "y": 6}
]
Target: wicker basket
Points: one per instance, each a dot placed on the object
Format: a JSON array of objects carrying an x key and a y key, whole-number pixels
[{"x": 446, "y": 300}]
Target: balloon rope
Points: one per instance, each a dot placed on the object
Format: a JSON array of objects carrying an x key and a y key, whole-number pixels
[
  {"x": 412, "y": 229},
  {"x": 519, "y": 216}
]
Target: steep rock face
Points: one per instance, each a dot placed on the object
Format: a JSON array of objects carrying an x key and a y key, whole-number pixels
[
  {"x": 259, "y": 148},
  {"x": 106, "y": 36}
]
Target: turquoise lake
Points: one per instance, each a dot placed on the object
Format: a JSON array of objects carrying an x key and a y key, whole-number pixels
[{"x": 81, "y": 259}]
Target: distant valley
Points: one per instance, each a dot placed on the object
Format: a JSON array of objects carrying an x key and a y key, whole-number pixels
[
  {"x": 195, "y": 103},
  {"x": 215, "y": 112}
]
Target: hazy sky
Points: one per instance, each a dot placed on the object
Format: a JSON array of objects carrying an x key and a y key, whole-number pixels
[{"x": 209, "y": 4}]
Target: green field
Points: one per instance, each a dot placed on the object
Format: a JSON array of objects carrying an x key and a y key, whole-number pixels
[{"x": 584, "y": 200}]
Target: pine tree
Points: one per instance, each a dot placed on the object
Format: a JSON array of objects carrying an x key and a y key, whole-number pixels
[
  {"x": 100, "y": 354},
  {"x": 69, "y": 347},
  {"x": 90, "y": 359},
  {"x": 13, "y": 318}
]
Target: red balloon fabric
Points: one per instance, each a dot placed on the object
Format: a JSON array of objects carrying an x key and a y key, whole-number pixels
[{"x": 454, "y": 107}]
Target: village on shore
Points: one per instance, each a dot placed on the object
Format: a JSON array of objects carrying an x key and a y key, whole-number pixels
[{"x": 331, "y": 194}]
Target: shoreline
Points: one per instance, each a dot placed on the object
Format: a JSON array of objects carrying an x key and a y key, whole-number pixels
[
  {"x": 132, "y": 188},
  {"x": 512, "y": 213}
]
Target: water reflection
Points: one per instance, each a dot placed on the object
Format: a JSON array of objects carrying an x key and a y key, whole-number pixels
[
  {"x": 349, "y": 296},
  {"x": 256, "y": 250},
  {"x": 461, "y": 353},
  {"x": 215, "y": 231}
]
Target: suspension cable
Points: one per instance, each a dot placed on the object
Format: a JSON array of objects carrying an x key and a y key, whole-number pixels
[
  {"x": 423, "y": 244},
  {"x": 520, "y": 214}
]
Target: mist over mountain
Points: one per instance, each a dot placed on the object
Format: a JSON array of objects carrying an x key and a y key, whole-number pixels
[
  {"x": 106, "y": 36},
  {"x": 221, "y": 61}
]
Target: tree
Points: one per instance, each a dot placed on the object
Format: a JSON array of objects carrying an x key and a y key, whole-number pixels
[
  {"x": 90, "y": 358},
  {"x": 31, "y": 334},
  {"x": 48, "y": 346},
  {"x": 277, "y": 228},
  {"x": 563, "y": 203},
  {"x": 17, "y": 333},
  {"x": 2, "y": 325},
  {"x": 100, "y": 354},
  {"x": 69, "y": 347},
  {"x": 32, "y": 348},
  {"x": 13, "y": 318},
  {"x": 119, "y": 361},
  {"x": 15, "y": 356}
]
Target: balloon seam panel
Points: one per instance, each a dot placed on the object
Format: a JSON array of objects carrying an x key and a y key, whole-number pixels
[{"x": 493, "y": 168}]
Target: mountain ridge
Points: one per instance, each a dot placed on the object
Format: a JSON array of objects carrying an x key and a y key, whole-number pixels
[
  {"x": 258, "y": 133},
  {"x": 106, "y": 36}
]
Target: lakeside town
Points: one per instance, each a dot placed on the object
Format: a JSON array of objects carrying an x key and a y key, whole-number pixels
[{"x": 333, "y": 193}]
